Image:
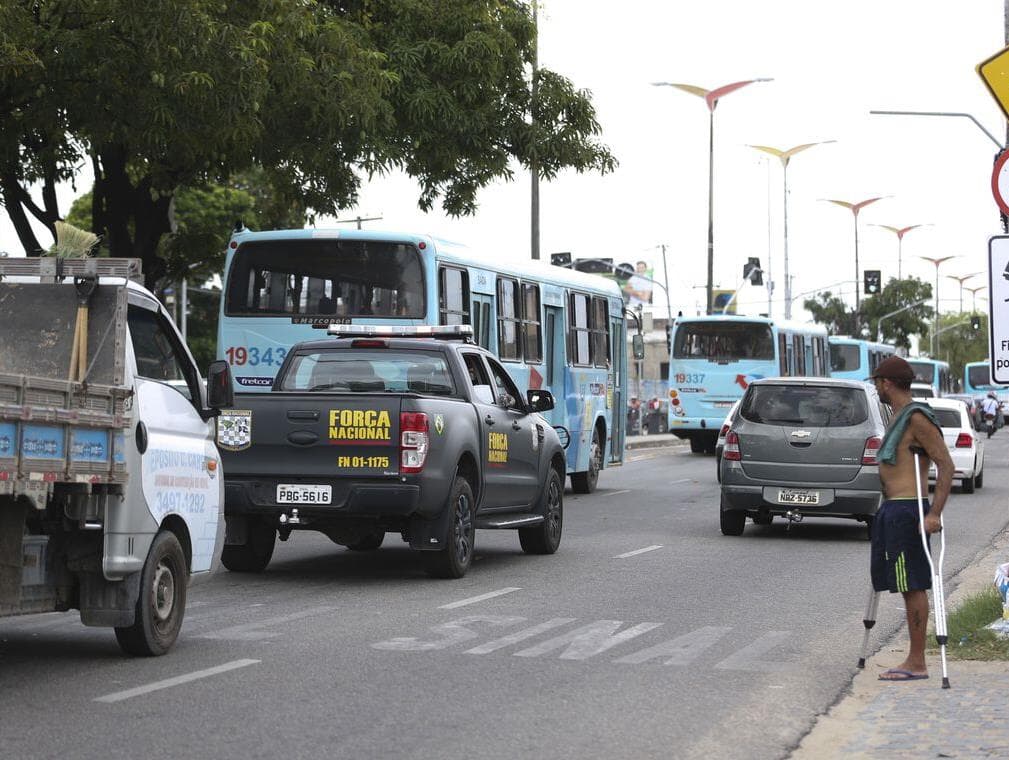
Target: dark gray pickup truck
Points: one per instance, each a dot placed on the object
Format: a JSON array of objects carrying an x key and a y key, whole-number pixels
[{"x": 387, "y": 432}]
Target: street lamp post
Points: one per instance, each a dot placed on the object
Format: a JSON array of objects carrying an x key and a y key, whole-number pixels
[
  {"x": 962, "y": 280},
  {"x": 974, "y": 292},
  {"x": 899, "y": 232},
  {"x": 784, "y": 156},
  {"x": 711, "y": 98},
  {"x": 854, "y": 208},
  {"x": 935, "y": 318}
]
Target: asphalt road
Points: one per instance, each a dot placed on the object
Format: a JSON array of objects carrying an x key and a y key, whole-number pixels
[{"x": 648, "y": 634}]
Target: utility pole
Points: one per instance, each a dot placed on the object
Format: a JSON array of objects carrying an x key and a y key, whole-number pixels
[{"x": 534, "y": 169}]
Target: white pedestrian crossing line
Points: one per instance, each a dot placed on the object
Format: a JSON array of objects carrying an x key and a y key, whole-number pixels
[
  {"x": 119, "y": 696},
  {"x": 625, "y": 555},
  {"x": 481, "y": 598}
]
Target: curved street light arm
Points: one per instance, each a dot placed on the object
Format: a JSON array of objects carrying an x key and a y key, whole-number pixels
[
  {"x": 879, "y": 324},
  {"x": 978, "y": 124}
]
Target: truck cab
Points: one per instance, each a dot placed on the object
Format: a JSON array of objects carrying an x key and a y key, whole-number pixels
[{"x": 110, "y": 480}]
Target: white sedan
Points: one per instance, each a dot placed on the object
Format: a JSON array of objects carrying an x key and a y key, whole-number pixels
[{"x": 965, "y": 442}]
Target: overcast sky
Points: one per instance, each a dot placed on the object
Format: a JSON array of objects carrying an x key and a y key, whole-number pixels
[{"x": 831, "y": 63}]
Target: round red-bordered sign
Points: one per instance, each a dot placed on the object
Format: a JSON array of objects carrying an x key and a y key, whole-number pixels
[{"x": 1000, "y": 181}]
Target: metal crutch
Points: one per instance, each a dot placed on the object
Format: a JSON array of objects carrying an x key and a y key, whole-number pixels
[
  {"x": 938, "y": 594},
  {"x": 868, "y": 620}
]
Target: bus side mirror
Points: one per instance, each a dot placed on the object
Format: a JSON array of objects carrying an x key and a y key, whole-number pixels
[
  {"x": 638, "y": 345},
  {"x": 220, "y": 393}
]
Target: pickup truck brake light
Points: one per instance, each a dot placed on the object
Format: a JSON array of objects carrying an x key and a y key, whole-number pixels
[
  {"x": 369, "y": 343},
  {"x": 413, "y": 441}
]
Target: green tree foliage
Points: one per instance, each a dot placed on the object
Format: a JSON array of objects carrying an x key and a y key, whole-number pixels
[
  {"x": 159, "y": 96},
  {"x": 908, "y": 297},
  {"x": 957, "y": 343}
]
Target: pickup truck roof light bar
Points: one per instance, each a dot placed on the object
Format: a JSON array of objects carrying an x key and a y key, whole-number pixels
[{"x": 445, "y": 332}]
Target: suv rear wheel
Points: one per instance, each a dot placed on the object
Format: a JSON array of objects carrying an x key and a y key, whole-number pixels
[{"x": 732, "y": 520}]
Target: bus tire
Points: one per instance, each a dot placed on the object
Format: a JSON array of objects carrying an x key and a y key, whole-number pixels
[
  {"x": 586, "y": 482},
  {"x": 454, "y": 559},
  {"x": 546, "y": 537},
  {"x": 254, "y": 555},
  {"x": 696, "y": 444},
  {"x": 161, "y": 603}
]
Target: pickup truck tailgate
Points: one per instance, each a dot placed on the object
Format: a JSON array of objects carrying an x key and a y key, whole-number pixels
[{"x": 294, "y": 434}]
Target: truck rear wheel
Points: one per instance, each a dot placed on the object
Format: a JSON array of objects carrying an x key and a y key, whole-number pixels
[
  {"x": 454, "y": 559},
  {"x": 546, "y": 537},
  {"x": 254, "y": 555},
  {"x": 162, "y": 600}
]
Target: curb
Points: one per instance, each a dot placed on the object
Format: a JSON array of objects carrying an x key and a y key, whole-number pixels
[{"x": 653, "y": 442}]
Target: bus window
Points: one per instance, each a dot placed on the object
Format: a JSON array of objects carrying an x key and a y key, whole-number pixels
[
  {"x": 724, "y": 341},
  {"x": 508, "y": 319},
  {"x": 532, "y": 342},
  {"x": 324, "y": 277},
  {"x": 453, "y": 296},
  {"x": 782, "y": 355},
  {"x": 600, "y": 334},
  {"x": 579, "y": 332},
  {"x": 844, "y": 357}
]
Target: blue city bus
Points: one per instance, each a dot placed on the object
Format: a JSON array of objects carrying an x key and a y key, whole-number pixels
[
  {"x": 714, "y": 359},
  {"x": 934, "y": 372},
  {"x": 553, "y": 328},
  {"x": 855, "y": 358},
  {"x": 977, "y": 381}
]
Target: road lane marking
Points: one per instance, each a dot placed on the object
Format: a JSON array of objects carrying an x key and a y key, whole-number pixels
[
  {"x": 589, "y": 640},
  {"x": 514, "y": 638},
  {"x": 752, "y": 656},
  {"x": 638, "y": 551},
  {"x": 482, "y": 597},
  {"x": 119, "y": 696},
  {"x": 250, "y": 632},
  {"x": 681, "y": 480},
  {"x": 617, "y": 493}
]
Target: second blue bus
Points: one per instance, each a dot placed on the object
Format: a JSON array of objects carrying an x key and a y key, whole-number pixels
[
  {"x": 855, "y": 358},
  {"x": 714, "y": 359}
]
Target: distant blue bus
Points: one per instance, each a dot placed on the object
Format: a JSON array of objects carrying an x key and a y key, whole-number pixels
[
  {"x": 977, "y": 380},
  {"x": 714, "y": 358},
  {"x": 551, "y": 327},
  {"x": 935, "y": 372},
  {"x": 855, "y": 358}
]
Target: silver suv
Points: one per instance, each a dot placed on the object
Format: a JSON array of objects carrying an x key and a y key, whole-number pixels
[{"x": 803, "y": 447}]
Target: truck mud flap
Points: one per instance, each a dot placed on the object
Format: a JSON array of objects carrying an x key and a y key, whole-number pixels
[
  {"x": 107, "y": 603},
  {"x": 428, "y": 534}
]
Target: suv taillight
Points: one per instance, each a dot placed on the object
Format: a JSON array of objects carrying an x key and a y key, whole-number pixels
[
  {"x": 413, "y": 441},
  {"x": 731, "y": 450},
  {"x": 722, "y": 433},
  {"x": 871, "y": 450},
  {"x": 964, "y": 441}
]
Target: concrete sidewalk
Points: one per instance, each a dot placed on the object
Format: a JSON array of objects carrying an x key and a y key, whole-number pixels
[
  {"x": 652, "y": 441},
  {"x": 876, "y": 719}
]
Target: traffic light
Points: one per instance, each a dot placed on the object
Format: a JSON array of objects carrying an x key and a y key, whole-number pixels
[
  {"x": 752, "y": 271},
  {"x": 872, "y": 278},
  {"x": 975, "y": 323},
  {"x": 561, "y": 259}
]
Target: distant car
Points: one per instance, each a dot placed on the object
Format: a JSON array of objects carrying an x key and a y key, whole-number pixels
[
  {"x": 922, "y": 390},
  {"x": 802, "y": 447},
  {"x": 964, "y": 441},
  {"x": 966, "y": 398},
  {"x": 720, "y": 443}
]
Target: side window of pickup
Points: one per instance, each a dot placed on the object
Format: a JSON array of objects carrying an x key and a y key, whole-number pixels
[
  {"x": 158, "y": 357},
  {"x": 508, "y": 394},
  {"x": 478, "y": 377}
]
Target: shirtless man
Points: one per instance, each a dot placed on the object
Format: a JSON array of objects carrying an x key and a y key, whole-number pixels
[{"x": 899, "y": 564}]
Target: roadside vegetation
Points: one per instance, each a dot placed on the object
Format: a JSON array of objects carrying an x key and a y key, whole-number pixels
[{"x": 969, "y": 635}]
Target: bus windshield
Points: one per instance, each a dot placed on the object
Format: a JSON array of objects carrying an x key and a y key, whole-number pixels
[
  {"x": 979, "y": 375},
  {"x": 723, "y": 341},
  {"x": 320, "y": 278},
  {"x": 924, "y": 372},
  {"x": 844, "y": 358}
]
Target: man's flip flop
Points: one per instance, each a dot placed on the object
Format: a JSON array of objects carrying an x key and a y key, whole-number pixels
[{"x": 902, "y": 675}]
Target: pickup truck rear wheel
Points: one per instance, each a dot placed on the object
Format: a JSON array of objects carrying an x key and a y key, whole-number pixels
[
  {"x": 162, "y": 600},
  {"x": 254, "y": 555},
  {"x": 546, "y": 537},
  {"x": 585, "y": 482},
  {"x": 454, "y": 559}
]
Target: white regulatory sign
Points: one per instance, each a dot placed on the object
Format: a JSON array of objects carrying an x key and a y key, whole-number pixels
[{"x": 998, "y": 308}]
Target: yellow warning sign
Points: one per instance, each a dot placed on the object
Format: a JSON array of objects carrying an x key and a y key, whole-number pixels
[{"x": 995, "y": 73}]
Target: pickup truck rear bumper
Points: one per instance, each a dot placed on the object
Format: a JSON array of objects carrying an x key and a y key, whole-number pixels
[{"x": 364, "y": 499}]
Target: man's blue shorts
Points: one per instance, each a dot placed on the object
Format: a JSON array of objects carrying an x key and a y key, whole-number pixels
[{"x": 898, "y": 562}]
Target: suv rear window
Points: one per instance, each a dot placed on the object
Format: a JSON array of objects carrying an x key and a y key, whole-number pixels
[
  {"x": 810, "y": 406},
  {"x": 360, "y": 371},
  {"x": 948, "y": 418}
]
